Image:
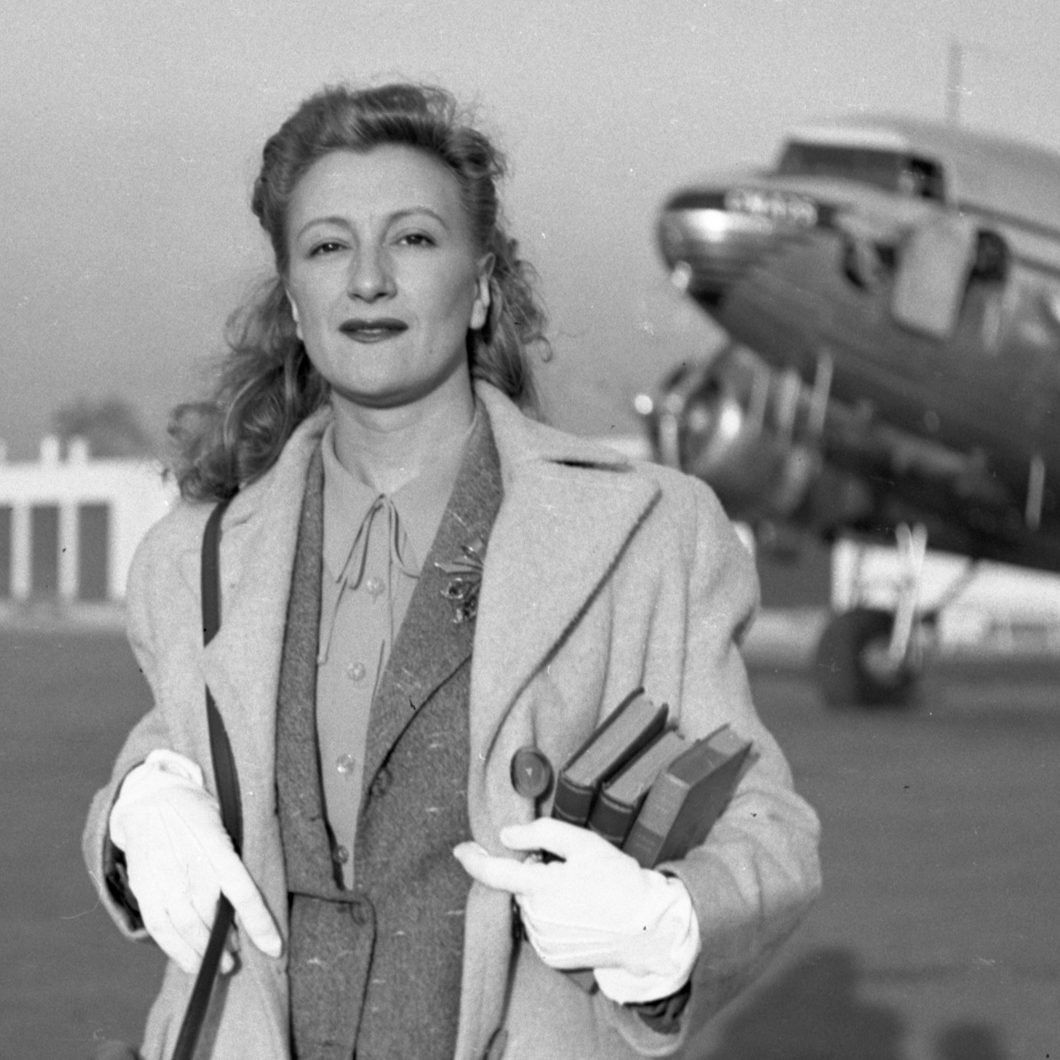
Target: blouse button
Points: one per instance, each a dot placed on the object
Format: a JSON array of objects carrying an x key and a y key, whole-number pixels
[
  {"x": 356, "y": 671},
  {"x": 345, "y": 764},
  {"x": 374, "y": 587}
]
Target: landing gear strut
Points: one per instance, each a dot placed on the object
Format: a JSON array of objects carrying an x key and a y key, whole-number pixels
[{"x": 871, "y": 657}]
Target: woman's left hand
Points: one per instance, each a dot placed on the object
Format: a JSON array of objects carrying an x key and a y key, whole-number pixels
[{"x": 595, "y": 908}]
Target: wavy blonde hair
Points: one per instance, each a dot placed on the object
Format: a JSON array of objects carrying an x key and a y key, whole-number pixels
[{"x": 266, "y": 384}]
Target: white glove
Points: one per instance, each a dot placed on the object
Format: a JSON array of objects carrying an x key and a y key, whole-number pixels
[
  {"x": 179, "y": 858},
  {"x": 597, "y": 908}
]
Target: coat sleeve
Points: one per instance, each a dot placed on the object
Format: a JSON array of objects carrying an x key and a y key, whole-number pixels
[
  {"x": 755, "y": 876},
  {"x": 150, "y": 582}
]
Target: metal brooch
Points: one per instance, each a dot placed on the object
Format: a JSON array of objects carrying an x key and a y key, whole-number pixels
[{"x": 465, "y": 579}]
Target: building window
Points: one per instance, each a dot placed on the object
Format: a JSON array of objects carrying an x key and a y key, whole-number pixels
[
  {"x": 93, "y": 532},
  {"x": 44, "y": 550},
  {"x": 5, "y": 551}
]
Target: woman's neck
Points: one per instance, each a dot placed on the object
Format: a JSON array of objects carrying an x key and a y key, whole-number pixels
[{"x": 388, "y": 447}]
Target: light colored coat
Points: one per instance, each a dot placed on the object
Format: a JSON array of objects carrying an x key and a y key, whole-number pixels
[{"x": 600, "y": 576}]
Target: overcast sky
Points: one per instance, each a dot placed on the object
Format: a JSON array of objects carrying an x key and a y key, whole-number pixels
[{"x": 131, "y": 132}]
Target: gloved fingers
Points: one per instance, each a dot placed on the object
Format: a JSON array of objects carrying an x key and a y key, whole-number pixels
[
  {"x": 250, "y": 908},
  {"x": 181, "y": 925},
  {"x": 186, "y": 945},
  {"x": 500, "y": 873},
  {"x": 557, "y": 953},
  {"x": 568, "y": 944},
  {"x": 219, "y": 859},
  {"x": 564, "y": 840},
  {"x": 179, "y": 932}
]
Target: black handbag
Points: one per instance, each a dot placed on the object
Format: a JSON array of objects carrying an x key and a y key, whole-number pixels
[{"x": 227, "y": 782}]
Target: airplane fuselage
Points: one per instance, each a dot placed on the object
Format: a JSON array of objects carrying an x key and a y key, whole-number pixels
[
  {"x": 920, "y": 268},
  {"x": 994, "y": 382}
]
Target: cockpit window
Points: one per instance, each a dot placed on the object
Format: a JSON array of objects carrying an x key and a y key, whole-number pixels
[{"x": 891, "y": 170}]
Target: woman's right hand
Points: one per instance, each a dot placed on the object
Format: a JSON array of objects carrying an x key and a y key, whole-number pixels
[{"x": 179, "y": 859}]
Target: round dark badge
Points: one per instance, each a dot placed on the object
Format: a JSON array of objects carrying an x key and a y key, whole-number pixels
[{"x": 531, "y": 773}]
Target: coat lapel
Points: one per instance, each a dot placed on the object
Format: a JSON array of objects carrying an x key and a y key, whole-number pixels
[
  {"x": 569, "y": 510},
  {"x": 431, "y": 645},
  {"x": 570, "y": 507}
]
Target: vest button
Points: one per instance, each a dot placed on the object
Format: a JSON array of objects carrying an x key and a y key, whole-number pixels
[
  {"x": 341, "y": 854},
  {"x": 361, "y": 911},
  {"x": 382, "y": 782},
  {"x": 531, "y": 772}
]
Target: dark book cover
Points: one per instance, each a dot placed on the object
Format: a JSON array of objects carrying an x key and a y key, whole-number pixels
[
  {"x": 621, "y": 797},
  {"x": 687, "y": 798},
  {"x": 626, "y": 731}
]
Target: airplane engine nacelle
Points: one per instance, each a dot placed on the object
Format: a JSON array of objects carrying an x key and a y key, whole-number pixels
[{"x": 743, "y": 429}]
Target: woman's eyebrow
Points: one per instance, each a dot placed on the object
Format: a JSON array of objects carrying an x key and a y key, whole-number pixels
[
  {"x": 397, "y": 215},
  {"x": 332, "y": 219},
  {"x": 411, "y": 211}
]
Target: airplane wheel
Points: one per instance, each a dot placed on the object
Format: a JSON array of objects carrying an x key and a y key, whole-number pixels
[{"x": 853, "y": 666}]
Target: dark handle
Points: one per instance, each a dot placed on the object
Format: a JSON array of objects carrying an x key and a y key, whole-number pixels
[{"x": 227, "y": 792}]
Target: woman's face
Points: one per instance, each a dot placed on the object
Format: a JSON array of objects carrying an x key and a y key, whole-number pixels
[{"x": 385, "y": 280}]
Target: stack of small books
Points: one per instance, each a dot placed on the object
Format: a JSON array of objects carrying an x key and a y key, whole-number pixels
[{"x": 645, "y": 788}]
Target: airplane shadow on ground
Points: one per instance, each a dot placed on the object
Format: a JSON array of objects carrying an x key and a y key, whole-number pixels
[{"x": 814, "y": 1012}]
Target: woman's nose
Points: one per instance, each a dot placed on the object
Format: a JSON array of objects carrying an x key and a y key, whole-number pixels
[{"x": 370, "y": 275}]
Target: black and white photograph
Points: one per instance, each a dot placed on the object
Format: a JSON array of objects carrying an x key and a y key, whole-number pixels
[{"x": 530, "y": 531}]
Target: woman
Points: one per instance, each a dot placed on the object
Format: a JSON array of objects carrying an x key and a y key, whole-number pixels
[{"x": 419, "y": 584}]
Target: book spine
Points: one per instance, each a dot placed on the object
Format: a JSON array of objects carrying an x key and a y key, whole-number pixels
[
  {"x": 572, "y": 802},
  {"x": 611, "y": 819},
  {"x": 652, "y": 824}
]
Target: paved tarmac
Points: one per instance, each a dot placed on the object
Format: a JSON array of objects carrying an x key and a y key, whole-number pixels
[{"x": 938, "y": 936}]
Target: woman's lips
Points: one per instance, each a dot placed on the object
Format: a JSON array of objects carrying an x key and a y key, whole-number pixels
[{"x": 361, "y": 330}]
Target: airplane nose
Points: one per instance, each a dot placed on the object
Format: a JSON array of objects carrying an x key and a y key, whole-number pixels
[{"x": 711, "y": 239}]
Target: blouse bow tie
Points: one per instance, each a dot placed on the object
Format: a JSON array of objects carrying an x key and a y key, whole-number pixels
[{"x": 353, "y": 571}]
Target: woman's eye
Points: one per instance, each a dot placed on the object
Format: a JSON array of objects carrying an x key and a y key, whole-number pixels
[
  {"x": 328, "y": 246},
  {"x": 416, "y": 239}
]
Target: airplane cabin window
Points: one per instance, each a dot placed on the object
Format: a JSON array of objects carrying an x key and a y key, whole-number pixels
[
  {"x": 922, "y": 178},
  {"x": 894, "y": 171}
]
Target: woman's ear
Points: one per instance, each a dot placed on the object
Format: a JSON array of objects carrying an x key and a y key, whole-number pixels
[
  {"x": 480, "y": 309},
  {"x": 294, "y": 315}
]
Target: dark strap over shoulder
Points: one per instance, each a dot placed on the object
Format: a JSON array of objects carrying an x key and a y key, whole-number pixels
[
  {"x": 227, "y": 793},
  {"x": 224, "y": 765},
  {"x": 210, "y": 576}
]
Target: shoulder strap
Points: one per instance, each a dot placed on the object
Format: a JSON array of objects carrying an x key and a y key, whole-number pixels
[
  {"x": 227, "y": 793},
  {"x": 210, "y": 576},
  {"x": 224, "y": 765}
]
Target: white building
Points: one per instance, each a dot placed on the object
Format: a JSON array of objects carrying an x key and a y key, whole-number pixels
[{"x": 69, "y": 527}]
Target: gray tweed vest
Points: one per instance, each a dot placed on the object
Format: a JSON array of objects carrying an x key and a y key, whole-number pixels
[{"x": 375, "y": 971}]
